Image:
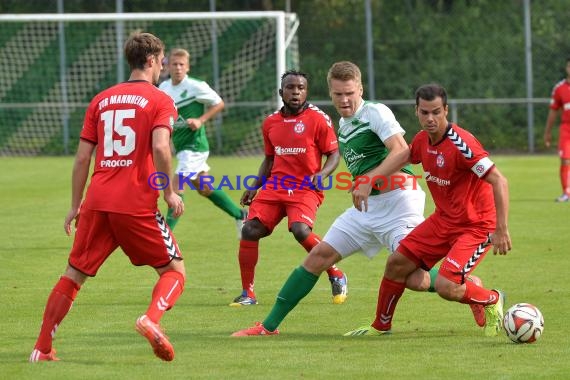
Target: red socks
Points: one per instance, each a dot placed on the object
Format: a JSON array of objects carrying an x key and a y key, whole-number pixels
[
  {"x": 565, "y": 178},
  {"x": 58, "y": 305},
  {"x": 166, "y": 291},
  {"x": 389, "y": 294},
  {"x": 169, "y": 287},
  {"x": 312, "y": 240},
  {"x": 474, "y": 294},
  {"x": 248, "y": 255}
]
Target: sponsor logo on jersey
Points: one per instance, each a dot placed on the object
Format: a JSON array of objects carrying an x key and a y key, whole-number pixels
[
  {"x": 566, "y": 106},
  {"x": 180, "y": 123},
  {"x": 282, "y": 151},
  {"x": 480, "y": 168},
  {"x": 350, "y": 156},
  {"x": 438, "y": 181},
  {"x": 440, "y": 161},
  {"x": 431, "y": 151},
  {"x": 299, "y": 128},
  {"x": 115, "y": 163}
]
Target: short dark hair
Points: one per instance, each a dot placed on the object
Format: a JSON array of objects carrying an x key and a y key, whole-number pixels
[
  {"x": 430, "y": 92},
  {"x": 139, "y": 46},
  {"x": 293, "y": 73}
]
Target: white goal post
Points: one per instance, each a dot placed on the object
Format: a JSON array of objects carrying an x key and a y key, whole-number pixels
[{"x": 57, "y": 62}]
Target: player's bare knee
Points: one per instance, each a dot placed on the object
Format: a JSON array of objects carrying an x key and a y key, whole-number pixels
[
  {"x": 175, "y": 265},
  {"x": 74, "y": 275},
  {"x": 253, "y": 230},
  {"x": 204, "y": 184},
  {"x": 300, "y": 231},
  {"x": 321, "y": 257},
  {"x": 398, "y": 267},
  {"x": 205, "y": 191}
]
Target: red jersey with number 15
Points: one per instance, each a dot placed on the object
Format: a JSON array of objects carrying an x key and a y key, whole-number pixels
[
  {"x": 120, "y": 121},
  {"x": 454, "y": 169},
  {"x": 298, "y": 143}
]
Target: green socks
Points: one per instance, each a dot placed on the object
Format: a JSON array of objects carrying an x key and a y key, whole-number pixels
[
  {"x": 297, "y": 286},
  {"x": 170, "y": 220},
  {"x": 432, "y": 276},
  {"x": 224, "y": 202}
]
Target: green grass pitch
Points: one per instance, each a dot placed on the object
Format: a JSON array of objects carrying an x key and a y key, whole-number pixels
[{"x": 432, "y": 339}]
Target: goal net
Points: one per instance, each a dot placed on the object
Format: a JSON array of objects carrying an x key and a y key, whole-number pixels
[{"x": 53, "y": 64}]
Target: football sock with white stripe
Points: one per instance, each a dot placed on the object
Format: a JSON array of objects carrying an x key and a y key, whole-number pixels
[
  {"x": 58, "y": 305},
  {"x": 169, "y": 287}
]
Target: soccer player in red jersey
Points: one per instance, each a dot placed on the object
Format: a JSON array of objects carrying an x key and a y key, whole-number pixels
[
  {"x": 290, "y": 181},
  {"x": 371, "y": 140},
  {"x": 128, "y": 126},
  {"x": 560, "y": 105},
  {"x": 471, "y": 199}
]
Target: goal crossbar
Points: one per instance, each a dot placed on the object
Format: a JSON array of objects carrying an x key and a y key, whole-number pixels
[
  {"x": 239, "y": 76},
  {"x": 279, "y": 16},
  {"x": 159, "y": 16}
]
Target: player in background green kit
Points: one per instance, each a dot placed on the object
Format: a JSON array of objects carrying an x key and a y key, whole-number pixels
[
  {"x": 372, "y": 144},
  {"x": 197, "y": 103}
]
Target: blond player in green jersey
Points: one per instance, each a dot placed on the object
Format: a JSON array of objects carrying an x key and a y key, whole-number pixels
[{"x": 197, "y": 103}]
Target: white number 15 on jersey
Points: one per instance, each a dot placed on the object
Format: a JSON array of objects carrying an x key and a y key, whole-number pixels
[{"x": 113, "y": 120}]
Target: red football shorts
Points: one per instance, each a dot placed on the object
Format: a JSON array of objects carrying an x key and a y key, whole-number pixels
[
  {"x": 564, "y": 142},
  {"x": 461, "y": 249},
  {"x": 270, "y": 206},
  {"x": 145, "y": 239}
]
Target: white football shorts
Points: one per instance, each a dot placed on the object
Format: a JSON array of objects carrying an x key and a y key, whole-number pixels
[
  {"x": 191, "y": 163},
  {"x": 390, "y": 217}
]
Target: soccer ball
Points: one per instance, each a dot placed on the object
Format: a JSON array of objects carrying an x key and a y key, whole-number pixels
[{"x": 523, "y": 323}]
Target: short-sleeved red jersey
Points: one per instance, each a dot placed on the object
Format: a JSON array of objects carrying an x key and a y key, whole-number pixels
[
  {"x": 454, "y": 169},
  {"x": 120, "y": 121},
  {"x": 560, "y": 98},
  {"x": 298, "y": 144}
]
